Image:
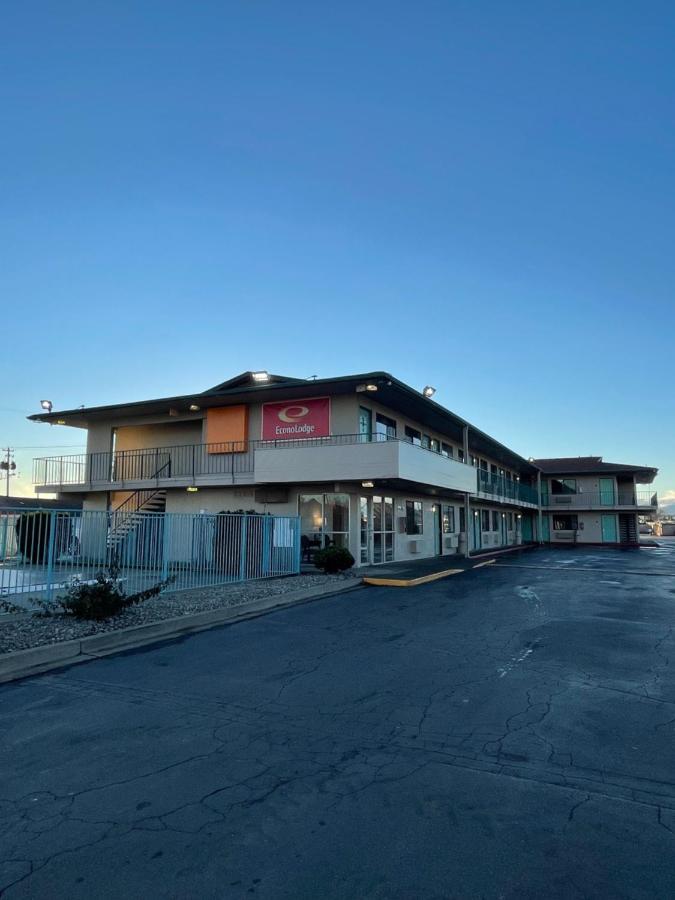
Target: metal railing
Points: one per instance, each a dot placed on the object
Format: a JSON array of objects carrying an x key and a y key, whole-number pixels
[
  {"x": 188, "y": 461},
  {"x": 43, "y": 551},
  {"x": 621, "y": 497},
  {"x": 505, "y": 488}
]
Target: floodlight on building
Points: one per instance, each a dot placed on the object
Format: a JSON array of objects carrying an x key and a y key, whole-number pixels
[
  {"x": 46, "y": 404},
  {"x": 194, "y": 407},
  {"x": 192, "y": 489},
  {"x": 260, "y": 376},
  {"x": 429, "y": 391},
  {"x": 367, "y": 484}
]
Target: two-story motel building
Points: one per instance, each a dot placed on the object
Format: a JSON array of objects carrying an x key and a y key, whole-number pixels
[{"x": 367, "y": 462}]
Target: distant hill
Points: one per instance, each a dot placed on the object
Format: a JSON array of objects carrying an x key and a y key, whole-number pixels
[{"x": 668, "y": 509}]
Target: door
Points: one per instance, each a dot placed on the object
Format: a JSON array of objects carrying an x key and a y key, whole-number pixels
[
  {"x": 438, "y": 530},
  {"x": 383, "y": 529},
  {"x": 607, "y": 492},
  {"x": 526, "y": 526},
  {"x": 545, "y": 529},
  {"x": 364, "y": 530},
  {"x": 609, "y": 533},
  {"x": 476, "y": 531},
  {"x": 365, "y": 424}
]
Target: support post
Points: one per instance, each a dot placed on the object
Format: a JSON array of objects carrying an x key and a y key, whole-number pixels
[
  {"x": 540, "y": 534},
  {"x": 50, "y": 553},
  {"x": 242, "y": 551}
]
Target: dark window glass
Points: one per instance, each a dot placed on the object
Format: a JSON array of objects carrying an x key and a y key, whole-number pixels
[
  {"x": 565, "y": 523},
  {"x": 426, "y": 441},
  {"x": 462, "y": 519},
  {"x": 563, "y": 485},
  {"x": 448, "y": 520},
  {"x": 385, "y": 427},
  {"x": 485, "y": 519},
  {"x": 413, "y": 517},
  {"x": 413, "y": 436},
  {"x": 434, "y": 445},
  {"x": 495, "y": 521},
  {"x": 460, "y": 454},
  {"x": 446, "y": 450}
]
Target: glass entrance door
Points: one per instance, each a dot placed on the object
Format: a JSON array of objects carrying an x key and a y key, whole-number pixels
[{"x": 382, "y": 529}]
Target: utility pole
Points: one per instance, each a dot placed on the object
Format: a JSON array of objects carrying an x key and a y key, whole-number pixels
[{"x": 8, "y": 466}]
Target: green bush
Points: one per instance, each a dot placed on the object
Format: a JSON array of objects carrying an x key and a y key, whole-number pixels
[
  {"x": 103, "y": 598},
  {"x": 333, "y": 559}
]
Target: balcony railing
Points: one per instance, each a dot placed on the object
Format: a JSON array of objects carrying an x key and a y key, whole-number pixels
[
  {"x": 189, "y": 461},
  {"x": 505, "y": 488},
  {"x": 621, "y": 497}
]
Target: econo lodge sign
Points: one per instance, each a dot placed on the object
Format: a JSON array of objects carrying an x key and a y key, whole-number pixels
[{"x": 296, "y": 419}]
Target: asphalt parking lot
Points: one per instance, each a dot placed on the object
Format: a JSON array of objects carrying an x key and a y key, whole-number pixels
[{"x": 504, "y": 733}]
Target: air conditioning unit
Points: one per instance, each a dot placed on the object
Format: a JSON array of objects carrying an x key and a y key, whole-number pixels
[
  {"x": 451, "y": 541},
  {"x": 414, "y": 546}
]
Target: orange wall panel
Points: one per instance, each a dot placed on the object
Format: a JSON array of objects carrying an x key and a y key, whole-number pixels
[{"x": 227, "y": 425}]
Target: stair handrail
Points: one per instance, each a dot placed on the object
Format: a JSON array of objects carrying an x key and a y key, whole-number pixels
[{"x": 136, "y": 500}]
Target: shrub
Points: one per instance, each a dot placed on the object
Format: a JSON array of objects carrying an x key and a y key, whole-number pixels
[
  {"x": 103, "y": 598},
  {"x": 333, "y": 559}
]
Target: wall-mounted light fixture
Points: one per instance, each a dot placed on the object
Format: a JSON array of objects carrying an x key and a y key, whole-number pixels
[
  {"x": 429, "y": 391},
  {"x": 192, "y": 489},
  {"x": 362, "y": 388},
  {"x": 367, "y": 484},
  {"x": 194, "y": 407}
]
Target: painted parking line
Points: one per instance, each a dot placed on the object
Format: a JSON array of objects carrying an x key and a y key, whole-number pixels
[
  {"x": 411, "y": 582},
  {"x": 587, "y": 569}
]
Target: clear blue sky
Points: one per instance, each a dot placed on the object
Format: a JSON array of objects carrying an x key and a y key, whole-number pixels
[{"x": 476, "y": 195}]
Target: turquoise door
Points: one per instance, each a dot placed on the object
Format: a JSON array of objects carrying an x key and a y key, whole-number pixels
[
  {"x": 365, "y": 424},
  {"x": 476, "y": 530},
  {"x": 609, "y": 530},
  {"x": 526, "y": 529},
  {"x": 606, "y": 492},
  {"x": 545, "y": 529}
]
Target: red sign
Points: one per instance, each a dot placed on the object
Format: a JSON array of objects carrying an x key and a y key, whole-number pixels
[{"x": 296, "y": 419}]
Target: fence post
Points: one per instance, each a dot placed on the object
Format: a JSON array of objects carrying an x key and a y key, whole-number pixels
[
  {"x": 50, "y": 553},
  {"x": 297, "y": 544},
  {"x": 166, "y": 544},
  {"x": 242, "y": 550}
]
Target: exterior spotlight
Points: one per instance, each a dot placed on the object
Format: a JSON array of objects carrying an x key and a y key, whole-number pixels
[
  {"x": 475, "y": 512},
  {"x": 194, "y": 407},
  {"x": 192, "y": 489},
  {"x": 260, "y": 376},
  {"x": 362, "y": 388},
  {"x": 46, "y": 404},
  {"x": 367, "y": 484},
  {"x": 429, "y": 391}
]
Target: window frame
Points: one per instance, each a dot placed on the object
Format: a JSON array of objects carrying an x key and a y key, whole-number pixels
[{"x": 414, "y": 517}]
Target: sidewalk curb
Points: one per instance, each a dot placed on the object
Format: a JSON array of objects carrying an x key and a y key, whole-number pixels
[{"x": 36, "y": 660}]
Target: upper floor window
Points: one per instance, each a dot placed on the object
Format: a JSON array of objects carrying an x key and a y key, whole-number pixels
[
  {"x": 485, "y": 519},
  {"x": 415, "y": 437},
  {"x": 460, "y": 454},
  {"x": 484, "y": 465},
  {"x": 563, "y": 485},
  {"x": 446, "y": 450},
  {"x": 435, "y": 445},
  {"x": 385, "y": 428},
  {"x": 426, "y": 441}
]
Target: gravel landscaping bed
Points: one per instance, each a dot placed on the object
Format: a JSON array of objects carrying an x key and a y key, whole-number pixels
[{"x": 22, "y": 630}]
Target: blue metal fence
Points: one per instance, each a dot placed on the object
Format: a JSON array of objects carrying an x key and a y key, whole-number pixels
[{"x": 43, "y": 551}]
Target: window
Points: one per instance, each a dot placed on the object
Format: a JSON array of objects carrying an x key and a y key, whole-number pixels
[
  {"x": 484, "y": 465},
  {"x": 565, "y": 523},
  {"x": 493, "y": 469},
  {"x": 460, "y": 454},
  {"x": 510, "y": 521},
  {"x": 485, "y": 519},
  {"x": 563, "y": 485},
  {"x": 414, "y": 523},
  {"x": 448, "y": 519},
  {"x": 324, "y": 520},
  {"x": 435, "y": 445},
  {"x": 446, "y": 450},
  {"x": 474, "y": 461},
  {"x": 462, "y": 519},
  {"x": 495, "y": 521},
  {"x": 508, "y": 476},
  {"x": 385, "y": 428},
  {"x": 426, "y": 441},
  {"x": 413, "y": 436}
]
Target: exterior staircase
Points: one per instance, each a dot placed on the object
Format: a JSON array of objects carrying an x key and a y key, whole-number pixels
[{"x": 126, "y": 518}]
